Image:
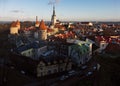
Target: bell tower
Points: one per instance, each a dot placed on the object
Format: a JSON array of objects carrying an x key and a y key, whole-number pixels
[{"x": 53, "y": 19}]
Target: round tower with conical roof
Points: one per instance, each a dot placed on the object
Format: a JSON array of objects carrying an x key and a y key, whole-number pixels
[
  {"x": 18, "y": 24},
  {"x": 14, "y": 28},
  {"x": 42, "y": 31}
]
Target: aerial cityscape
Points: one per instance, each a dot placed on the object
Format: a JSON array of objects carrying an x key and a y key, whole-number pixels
[{"x": 59, "y": 43}]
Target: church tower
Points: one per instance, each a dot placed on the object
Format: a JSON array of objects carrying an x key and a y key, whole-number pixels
[
  {"x": 53, "y": 19},
  {"x": 37, "y": 23}
]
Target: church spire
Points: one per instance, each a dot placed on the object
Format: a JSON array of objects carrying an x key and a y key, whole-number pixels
[
  {"x": 53, "y": 10},
  {"x": 53, "y": 19}
]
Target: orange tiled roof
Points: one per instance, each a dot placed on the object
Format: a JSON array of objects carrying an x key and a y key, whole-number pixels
[
  {"x": 50, "y": 30},
  {"x": 13, "y": 24},
  {"x": 42, "y": 25},
  {"x": 37, "y": 22},
  {"x": 17, "y": 22}
]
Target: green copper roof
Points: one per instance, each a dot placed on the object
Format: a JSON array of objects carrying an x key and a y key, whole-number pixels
[{"x": 80, "y": 48}]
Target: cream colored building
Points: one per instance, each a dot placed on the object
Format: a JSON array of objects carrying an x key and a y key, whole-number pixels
[
  {"x": 13, "y": 28},
  {"x": 46, "y": 68}
]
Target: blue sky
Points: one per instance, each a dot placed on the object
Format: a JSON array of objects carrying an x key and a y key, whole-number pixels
[{"x": 79, "y": 10}]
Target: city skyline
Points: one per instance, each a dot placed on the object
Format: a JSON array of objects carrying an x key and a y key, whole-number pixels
[{"x": 66, "y": 10}]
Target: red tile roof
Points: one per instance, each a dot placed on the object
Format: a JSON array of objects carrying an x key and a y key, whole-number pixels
[
  {"x": 37, "y": 22},
  {"x": 42, "y": 25},
  {"x": 50, "y": 30},
  {"x": 13, "y": 24},
  {"x": 107, "y": 39},
  {"x": 17, "y": 22}
]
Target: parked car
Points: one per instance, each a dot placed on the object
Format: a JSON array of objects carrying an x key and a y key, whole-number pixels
[
  {"x": 22, "y": 71},
  {"x": 84, "y": 67},
  {"x": 71, "y": 73},
  {"x": 63, "y": 77},
  {"x": 94, "y": 67},
  {"x": 89, "y": 73}
]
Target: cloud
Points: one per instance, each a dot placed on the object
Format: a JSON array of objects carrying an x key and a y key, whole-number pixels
[{"x": 16, "y": 11}]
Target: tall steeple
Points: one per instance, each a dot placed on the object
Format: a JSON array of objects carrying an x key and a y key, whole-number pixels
[
  {"x": 37, "y": 23},
  {"x": 54, "y": 10},
  {"x": 53, "y": 19}
]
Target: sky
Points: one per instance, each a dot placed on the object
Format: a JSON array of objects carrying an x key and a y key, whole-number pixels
[{"x": 66, "y": 10}]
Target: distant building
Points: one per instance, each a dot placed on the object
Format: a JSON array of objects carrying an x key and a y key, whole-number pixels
[
  {"x": 103, "y": 41},
  {"x": 15, "y": 26},
  {"x": 37, "y": 23},
  {"x": 80, "y": 52},
  {"x": 43, "y": 67},
  {"x": 87, "y": 23},
  {"x": 25, "y": 50},
  {"x": 53, "y": 65},
  {"x": 33, "y": 50},
  {"x": 53, "y": 19}
]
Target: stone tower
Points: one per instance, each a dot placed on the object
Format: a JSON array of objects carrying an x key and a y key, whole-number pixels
[
  {"x": 14, "y": 28},
  {"x": 42, "y": 31}
]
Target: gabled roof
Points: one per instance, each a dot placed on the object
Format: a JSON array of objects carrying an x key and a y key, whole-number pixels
[
  {"x": 82, "y": 49},
  {"x": 33, "y": 45}
]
